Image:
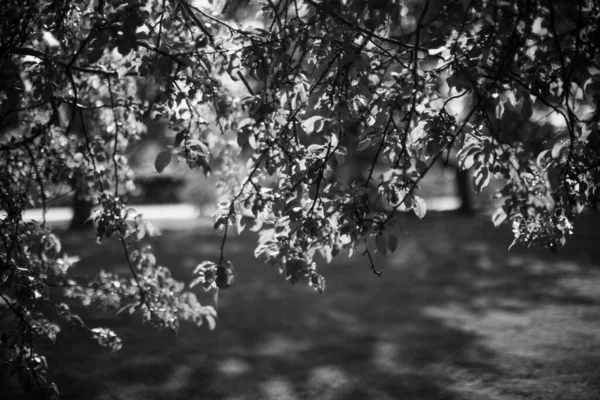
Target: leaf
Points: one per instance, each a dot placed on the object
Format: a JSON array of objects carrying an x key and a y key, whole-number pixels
[
  {"x": 370, "y": 120},
  {"x": 540, "y": 158},
  {"x": 258, "y": 224},
  {"x": 196, "y": 145},
  {"x": 245, "y": 122},
  {"x": 252, "y": 141},
  {"x": 557, "y": 149},
  {"x": 326, "y": 253},
  {"x": 220, "y": 223},
  {"x": 334, "y": 141},
  {"x": 364, "y": 144},
  {"x": 381, "y": 244},
  {"x": 314, "y": 148},
  {"x": 163, "y": 159},
  {"x": 203, "y": 162},
  {"x": 510, "y": 96},
  {"x": 373, "y": 79},
  {"x": 499, "y": 110},
  {"x": 313, "y": 124},
  {"x": 49, "y": 39},
  {"x": 498, "y": 217},
  {"x": 416, "y": 134},
  {"x": 466, "y": 156},
  {"x": 318, "y": 282},
  {"x": 302, "y": 95},
  {"x": 140, "y": 232},
  {"x": 122, "y": 71},
  {"x": 240, "y": 223},
  {"x": 210, "y": 320},
  {"x": 577, "y": 92},
  {"x": 420, "y": 207},
  {"x": 340, "y": 156},
  {"x": 358, "y": 105},
  {"x": 481, "y": 178},
  {"x": 204, "y": 265}
]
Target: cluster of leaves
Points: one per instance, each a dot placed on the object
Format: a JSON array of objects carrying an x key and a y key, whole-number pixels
[
  {"x": 406, "y": 83},
  {"x": 77, "y": 79}
]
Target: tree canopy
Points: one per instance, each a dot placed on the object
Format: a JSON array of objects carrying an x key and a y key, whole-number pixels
[{"x": 273, "y": 96}]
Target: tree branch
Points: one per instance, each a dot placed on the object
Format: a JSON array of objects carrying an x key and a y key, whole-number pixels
[{"x": 364, "y": 31}]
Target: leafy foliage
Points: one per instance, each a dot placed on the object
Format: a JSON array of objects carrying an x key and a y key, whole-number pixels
[{"x": 312, "y": 85}]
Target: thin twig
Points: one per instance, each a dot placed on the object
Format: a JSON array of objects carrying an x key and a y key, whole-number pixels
[{"x": 373, "y": 268}]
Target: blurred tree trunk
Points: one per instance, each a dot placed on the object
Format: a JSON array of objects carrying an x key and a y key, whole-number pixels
[
  {"x": 82, "y": 211},
  {"x": 463, "y": 183}
]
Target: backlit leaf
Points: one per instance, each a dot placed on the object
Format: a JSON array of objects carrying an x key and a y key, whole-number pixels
[
  {"x": 499, "y": 217},
  {"x": 313, "y": 124},
  {"x": 420, "y": 207},
  {"x": 364, "y": 144}
]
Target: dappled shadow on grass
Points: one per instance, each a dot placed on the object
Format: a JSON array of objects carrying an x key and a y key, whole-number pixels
[{"x": 455, "y": 316}]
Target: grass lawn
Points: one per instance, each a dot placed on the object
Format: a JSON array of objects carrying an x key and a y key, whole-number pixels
[{"x": 455, "y": 316}]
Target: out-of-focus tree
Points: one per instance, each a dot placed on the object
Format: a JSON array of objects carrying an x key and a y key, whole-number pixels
[{"x": 406, "y": 82}]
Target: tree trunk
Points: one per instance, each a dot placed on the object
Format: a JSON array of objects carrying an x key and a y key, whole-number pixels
[
  {"x": 82, "y": 212},
  {"x": 464, "y": 192}
]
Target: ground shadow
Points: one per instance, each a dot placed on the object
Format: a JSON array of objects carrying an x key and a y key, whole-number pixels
[{"x": 455, "y": 316}]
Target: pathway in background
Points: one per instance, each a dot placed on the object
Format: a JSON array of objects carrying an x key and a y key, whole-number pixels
[{"x": 171, "y": 212}]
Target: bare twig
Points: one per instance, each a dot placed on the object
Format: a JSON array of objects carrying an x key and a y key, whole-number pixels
[{"x": 368, "y": 253}]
